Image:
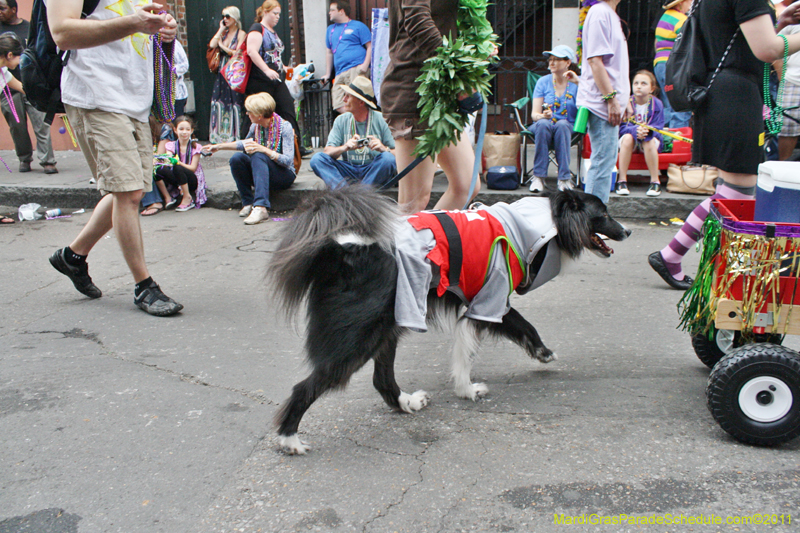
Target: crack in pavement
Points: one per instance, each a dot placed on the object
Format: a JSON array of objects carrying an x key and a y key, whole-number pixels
[
  {"x": 77, "y": 333},
  {"x": 403, "y": 492}
]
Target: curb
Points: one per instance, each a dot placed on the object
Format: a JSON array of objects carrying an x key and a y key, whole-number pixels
[{"x": 632, "y": 207}]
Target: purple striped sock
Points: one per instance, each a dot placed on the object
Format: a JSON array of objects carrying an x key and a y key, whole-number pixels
[{"x": 692, "y": 230}]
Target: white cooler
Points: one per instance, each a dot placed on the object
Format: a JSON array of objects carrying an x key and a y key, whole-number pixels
[{"x": 778, "y": 192}]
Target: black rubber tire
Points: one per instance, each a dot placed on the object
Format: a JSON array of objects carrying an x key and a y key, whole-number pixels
[
  {"x": 734, "y": 371},
  {"x": 709, "y": 352}
]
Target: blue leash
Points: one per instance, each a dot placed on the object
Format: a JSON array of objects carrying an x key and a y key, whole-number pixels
[{"x": 475, "y": 169}]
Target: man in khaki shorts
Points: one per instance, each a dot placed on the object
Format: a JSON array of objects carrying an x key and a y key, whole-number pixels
[
  {"x": 349, "y": 44},
  {"x": 107, "y": 90}
]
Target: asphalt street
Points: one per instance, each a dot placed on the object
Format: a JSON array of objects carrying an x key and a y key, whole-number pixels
[{"x": 114, "y": 420}]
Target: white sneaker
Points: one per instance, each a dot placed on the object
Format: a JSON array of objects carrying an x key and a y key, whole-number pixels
[
  {"x": 259, "y": 215},
  {"x": 245, "y": 210},
  {"x": 537, "y": 185},
  {"x": 566, "y": 185}
]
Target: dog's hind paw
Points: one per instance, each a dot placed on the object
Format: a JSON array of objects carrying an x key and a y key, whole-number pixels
[
  {"x": 473, "y": 391},
  {"x": 413, "y": 402},
  {"x": 292, "y": 445},
  {"x": 544, "y": 355}
]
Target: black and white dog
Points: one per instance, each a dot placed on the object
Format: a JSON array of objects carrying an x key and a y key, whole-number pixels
[{"x": 369, "y": 275}]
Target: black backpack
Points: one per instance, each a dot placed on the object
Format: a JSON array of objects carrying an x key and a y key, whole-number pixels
[
  {"x": 42, "y": 62},
  {"x": 687, "y": 74}
]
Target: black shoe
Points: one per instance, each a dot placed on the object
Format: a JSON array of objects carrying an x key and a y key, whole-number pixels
[
  {"x": 78, "y": 274},
  {"x": 155, "y": 302},
  {"x": 305, "y": 152},
  {"x": 24, "y": 166},
  {"x": 657, "y": 262}
]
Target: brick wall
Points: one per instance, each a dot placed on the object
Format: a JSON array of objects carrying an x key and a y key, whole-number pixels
[{"x": 178, "y": 9}]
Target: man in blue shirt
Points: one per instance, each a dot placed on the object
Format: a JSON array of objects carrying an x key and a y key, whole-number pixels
[
  {"x": 349, "y": 44},
  {"x": 359, "y": 143}
]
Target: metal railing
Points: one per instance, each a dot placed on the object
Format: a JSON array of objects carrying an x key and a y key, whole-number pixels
[{"x": 316, "y": 112}]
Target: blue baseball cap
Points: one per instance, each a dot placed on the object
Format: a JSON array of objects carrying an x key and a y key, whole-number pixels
[{"x": 562, "y": 51}]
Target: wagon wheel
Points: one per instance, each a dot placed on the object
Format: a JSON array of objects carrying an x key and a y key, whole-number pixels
[
  {"x": 754, "y": 394},
  {"x": 723, "y": 341}
]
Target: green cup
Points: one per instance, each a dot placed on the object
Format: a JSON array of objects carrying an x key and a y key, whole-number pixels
[{"x": 580, "y": 120}]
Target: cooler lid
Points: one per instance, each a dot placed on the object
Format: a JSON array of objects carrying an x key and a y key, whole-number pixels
[{"x": 783, "y": 174}]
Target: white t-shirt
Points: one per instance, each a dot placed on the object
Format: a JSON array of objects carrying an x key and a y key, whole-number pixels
[
  {"x": 5, "y": 78},
  {"x": 115, "y": 77},
  {"x": 641, "y": 113},
  {"x": 793, "y": 62},
  {"x": 602, "y": 36}
]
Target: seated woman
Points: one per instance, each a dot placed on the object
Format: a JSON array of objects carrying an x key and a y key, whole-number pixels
[
  {"x": 185, "y": 178},
  {"x": 553, "y": 113},
  {"x": 268, "y": 159},
  {"x": 644, "y": 110}
]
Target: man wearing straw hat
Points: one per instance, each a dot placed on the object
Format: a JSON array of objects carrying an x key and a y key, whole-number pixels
[
  {"x": 667, "y": 30},
  {"x": 359, "y": 144}
]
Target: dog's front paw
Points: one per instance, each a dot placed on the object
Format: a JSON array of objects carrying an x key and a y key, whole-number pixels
[
  {"x": 413, "y": 402},
  {"x": 544, "y": 354},
  {"x": 473, "y": 391},
  {"x": 292, "y": 445}
]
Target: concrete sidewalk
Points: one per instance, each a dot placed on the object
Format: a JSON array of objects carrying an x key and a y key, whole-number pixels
[{"x": 70, "y": 188}]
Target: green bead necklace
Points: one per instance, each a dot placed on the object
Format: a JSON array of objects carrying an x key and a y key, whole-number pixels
[{"x": 774, "y": 122}]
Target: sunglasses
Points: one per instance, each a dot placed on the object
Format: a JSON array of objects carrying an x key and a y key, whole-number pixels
[{"x": 226, "y": 16}]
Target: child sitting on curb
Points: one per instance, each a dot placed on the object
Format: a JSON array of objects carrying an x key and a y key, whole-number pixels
[{"x": 644, "y": 109}]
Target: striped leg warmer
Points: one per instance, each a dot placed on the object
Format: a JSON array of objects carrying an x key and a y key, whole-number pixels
[{"x": 692, "y": 230}]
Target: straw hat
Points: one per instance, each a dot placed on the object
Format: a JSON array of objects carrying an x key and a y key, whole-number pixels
[{"x": 361, "y": 88}]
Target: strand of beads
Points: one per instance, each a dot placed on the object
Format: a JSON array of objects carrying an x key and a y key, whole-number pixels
[
  {"x": 774, "y": 121},
  {"x": 165, "y": 79},
  {"x": 10, "y": 101}
]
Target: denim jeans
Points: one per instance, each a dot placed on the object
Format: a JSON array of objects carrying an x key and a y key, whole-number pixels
[
  {"x": 605, "y": 143},
  {"x": 256, "y": 175},
  {"x": 672, "y": 118},
  {"x": 152, "y": 197},
  {"x": 549, "y": 134},
  {"x": 336, "y": 173}
]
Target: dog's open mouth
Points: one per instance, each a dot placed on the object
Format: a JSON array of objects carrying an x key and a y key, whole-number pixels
[{"x": 600, "y": 246}]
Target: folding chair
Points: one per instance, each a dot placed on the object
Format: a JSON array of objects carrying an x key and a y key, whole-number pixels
[{"x": 520, "y": 110}]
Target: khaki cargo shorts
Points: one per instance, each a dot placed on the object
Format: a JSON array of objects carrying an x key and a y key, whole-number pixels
[
  {"x": 406, "y": 129},
  {"x": 345, "y": 78},
  {"x": 118, "y": 149}
]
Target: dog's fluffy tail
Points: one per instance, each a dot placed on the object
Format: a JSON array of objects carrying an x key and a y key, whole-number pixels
[{"x": 356, "y": 210}]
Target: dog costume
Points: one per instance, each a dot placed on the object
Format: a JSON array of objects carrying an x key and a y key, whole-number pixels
[{"x": 480, "y": 255}]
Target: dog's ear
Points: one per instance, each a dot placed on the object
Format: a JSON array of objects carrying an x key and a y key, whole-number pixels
[{"x": 572, "y": 221}]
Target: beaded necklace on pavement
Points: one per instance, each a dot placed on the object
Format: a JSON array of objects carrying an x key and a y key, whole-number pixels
[{"x": 273, "y": 140}]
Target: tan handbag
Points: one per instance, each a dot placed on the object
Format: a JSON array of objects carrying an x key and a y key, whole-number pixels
[
  {"x": 212, "y": 57},
  {"x": 691, "y": 179}
]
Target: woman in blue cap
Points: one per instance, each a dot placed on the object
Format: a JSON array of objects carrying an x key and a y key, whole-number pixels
[{"x": 553, "y": 112}]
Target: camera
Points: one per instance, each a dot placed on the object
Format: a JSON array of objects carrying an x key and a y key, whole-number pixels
[{"x": 362, "y": 142}]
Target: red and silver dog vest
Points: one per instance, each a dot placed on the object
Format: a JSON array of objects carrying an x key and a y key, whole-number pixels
[{"x": 465, "y": 243}]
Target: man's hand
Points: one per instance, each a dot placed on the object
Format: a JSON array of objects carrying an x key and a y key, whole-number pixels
[
  {"x": 362, "y": 69},
  {"x": 150, "y": 21},
  {"x": 614, "y": 112},
  {"x": 789, "y": 16},
  {"x": 352, "y": 143},
  {"x": 376, "y": 144}
]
